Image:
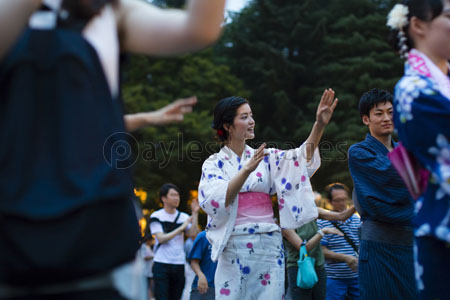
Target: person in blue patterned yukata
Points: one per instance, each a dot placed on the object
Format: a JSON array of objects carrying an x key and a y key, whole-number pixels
[
  {"x": 386, "y": 259},
  {"x": 421, "y": 31},
  {"x": 235, "y": 189}
]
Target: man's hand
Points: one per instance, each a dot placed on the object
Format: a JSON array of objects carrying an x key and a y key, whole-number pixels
[
  {"x": 186, "y": 223},
  {"x": 332, "y": 230},
  {"x": 352, "y": 262},
  {"x": 202, "y": 284}
]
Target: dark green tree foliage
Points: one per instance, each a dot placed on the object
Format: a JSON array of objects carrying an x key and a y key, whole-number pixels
[
  {"x": 288, "y": 51},
  {"x": 175, "y": 153}
]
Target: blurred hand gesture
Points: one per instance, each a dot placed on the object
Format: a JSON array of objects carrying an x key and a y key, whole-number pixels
[
  {"x": 172, "y": 113},
  {"x": 195, "y": 207}
]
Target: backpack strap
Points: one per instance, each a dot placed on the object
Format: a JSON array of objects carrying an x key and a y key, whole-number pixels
[
  {"x": 176, "y": 219},
  {"x": 346, "y": 237},
  {"x": 173, "y": 224}
]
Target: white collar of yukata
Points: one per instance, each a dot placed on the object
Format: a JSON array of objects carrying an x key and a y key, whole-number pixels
[
  {"x": 227, "y": 153},
  {"x": 420, "y": 64}
]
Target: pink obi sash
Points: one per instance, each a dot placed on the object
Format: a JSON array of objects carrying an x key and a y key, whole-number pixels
[{"x": 254, "y": 208}]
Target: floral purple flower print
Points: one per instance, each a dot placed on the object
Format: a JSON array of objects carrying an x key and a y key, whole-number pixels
[
  {"x": 215, "y": 204},
  {"x": 281, "y": 204},
  {"x": 246, "y": 270},
  {"x": 259, "y": 175},
  {"x": 225, "y": 290},
  {"x": 280, "y": 256},
  {"x": 250, "y": 246},
  {"x": 265, "y": 278}
]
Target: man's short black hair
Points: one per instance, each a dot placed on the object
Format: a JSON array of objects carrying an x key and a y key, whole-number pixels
[
  {"x": 164, "y": 190},
  {"x": 371, "y": 98},
  {"x": 335, "y": 186}
]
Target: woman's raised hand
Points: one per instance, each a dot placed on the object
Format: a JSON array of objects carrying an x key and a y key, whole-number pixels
[
  {"x": 326, "y": 107},
  {"x": 256, "y": 159}
]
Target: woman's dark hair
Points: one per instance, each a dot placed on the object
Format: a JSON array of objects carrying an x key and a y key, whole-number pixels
[
  {"x": 84, "y": 10},
  {"x": 224, "y": 113},
  {"x": 371, "y": 98},
  {"x": 165, "y": 188},
  {"x": 425, "y": 10},
  {"x": 335, "y": 186}
]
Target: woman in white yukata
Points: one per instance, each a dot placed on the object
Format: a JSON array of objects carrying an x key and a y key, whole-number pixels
[{"x": 235, "y": 190}]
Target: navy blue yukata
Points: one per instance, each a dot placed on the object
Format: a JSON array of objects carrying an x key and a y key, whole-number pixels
[{"x": 386, "y": 261}]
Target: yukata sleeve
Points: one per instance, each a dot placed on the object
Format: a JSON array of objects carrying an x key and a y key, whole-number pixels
[
  {"x": 290, "y": 173},
  {"x": 374, "y": 176},
  {"x": 212, "y": 191},
  {"x": 311, "y": 166},
  {"x": 424, "y": 129}
]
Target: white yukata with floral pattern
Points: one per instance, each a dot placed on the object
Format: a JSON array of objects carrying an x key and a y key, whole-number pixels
[{"x": 251, "y": 256}]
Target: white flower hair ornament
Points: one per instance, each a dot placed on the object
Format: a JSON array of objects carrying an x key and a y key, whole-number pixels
[
  {"x": 397, "y": 20},
  {"x": 398, "y": 17}
]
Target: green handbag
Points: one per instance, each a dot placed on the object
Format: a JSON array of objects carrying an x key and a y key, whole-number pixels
[{"x": 306, "y": 275}]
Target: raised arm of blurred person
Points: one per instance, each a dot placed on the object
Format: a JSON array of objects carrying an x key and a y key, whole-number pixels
[
  {"x": 171, "y": 113},
  {"x": 165, "y": 237},
  {"x": 147, "y": 29},
  {"x": 195, "y": 207},
  {"x": 292, "y": 237},
  {"x": 336, "y": 216},
  {"x": 14, "y": 15},
  {"x": 143, "y": 27}
]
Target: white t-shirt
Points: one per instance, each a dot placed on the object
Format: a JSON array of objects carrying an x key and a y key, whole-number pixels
[{"x": 171, "y": 252}]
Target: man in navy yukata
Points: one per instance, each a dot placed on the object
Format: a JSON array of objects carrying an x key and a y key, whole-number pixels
[{"x": 386, "y": 259}]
